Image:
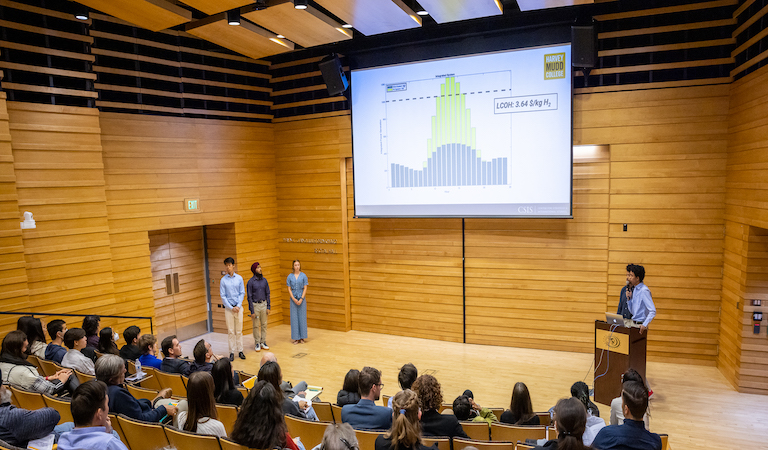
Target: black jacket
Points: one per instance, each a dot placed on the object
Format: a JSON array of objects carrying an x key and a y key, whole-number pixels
[
  {"x": 347, "y": 398},
  {"x": 176, "y": 365},
  {"x": 435, "y": 424}
]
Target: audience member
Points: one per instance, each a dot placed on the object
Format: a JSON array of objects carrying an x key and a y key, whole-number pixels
[
  {"x": 92, "y": 325},
  {"x": 204, "y": 356},
  {"x": 520, "y": 410},
  {"x": 76, "y": 341},
  {"x": 465, "y": 408},
  {"x": 201, "y": 416},
  {"x": 21, "y": 373},
  {"x": 148, "y": 347},
  {"x": 19, "y": 426},
  {"x": 338, "y": 436},
  {"x": 33, "y": 328},
  {"x": 54, "y": 351},
  {"x": 271, "y": 372},
  {"x": 631, "y": 435},
  {"x": 570, "y": 423},
  {"x": 288, "y": 389},
  {"x": 405, "y": 378},
  {"x": 172, "y": 363},
  {"x": 224, "y": 386},
  {"x": 580, "y": 391},
  {"x": 405, "y": 433},
  {"x": 617, "y": 416},
  {"x": 365, "y": 413},
  {"x": 93, "y": 428},
  {"x": 111, "y": 370},
  {"x": 107, "y": 342},
  {"x": 260, "y": 423},
  {"x": 130, "y": 351},
  {"x": 349, "y": 393},
  {"x": 433, "y": 423}
]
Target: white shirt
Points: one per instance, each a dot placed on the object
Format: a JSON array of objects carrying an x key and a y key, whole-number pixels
[
  {"x": 205, "y": 425},
  {"x": 76, "y": 360}
]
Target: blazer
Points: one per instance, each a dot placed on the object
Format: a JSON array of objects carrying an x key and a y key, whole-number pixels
[
  {"x": 435, "y": 424},
  {"x": 367, "y": 415}
]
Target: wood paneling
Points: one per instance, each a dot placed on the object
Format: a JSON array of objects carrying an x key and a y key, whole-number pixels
[{"x": 220, "y": 244}]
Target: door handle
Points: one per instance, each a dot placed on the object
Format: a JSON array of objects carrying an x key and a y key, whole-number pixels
[
  {"x": 168, "y": 288},
  {"x": 176, "y": 282}
]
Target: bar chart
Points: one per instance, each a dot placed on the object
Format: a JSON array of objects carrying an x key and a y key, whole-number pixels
[{"x": 453, "y": 158}]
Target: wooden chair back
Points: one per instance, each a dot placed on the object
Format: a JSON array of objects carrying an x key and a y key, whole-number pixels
[
  {"x": 142, "y": 435},
  {"x": 664, "y": 441},
  {"x": 173, "y": 381},
  {"x": 479, "y": 431},
  {"x": 140, "y": 392},
  {"x": 227, "y": 416},
  {"x": 514, "y": 433},
  {"x": 6, "y": 446},
  {"x": 48, "y": 367},
  {"x": 443, "y": 443},
  {"x": 311, "y": 432},
  {"x": 151, "y": 381},
  {"x": 324, "y": 411},
  {"x": 520, "y": 446},
  {"x": 243, "y": 390},
  {"x": 116, "y": 426},
  {"x": 385, "y": 399},
  {"x": 497, "y": 411},
  {"x": 460, "y": 443},
  {"x": 544, "y": 418},
  {"x": 36, "y": 361},
  {"x": 229, "y": 444},
  {"x": 366, "y": 439},
  {"x": 83, "y": 377},
  {"x": 27, "y": 399},
  {"x": 64, "y": 407},
  {"x": 181, "y": 439},
  {"x": 336, "y": 413},
  {"x": 131, "y": 367},
  {"x": 445, "y": 406}
]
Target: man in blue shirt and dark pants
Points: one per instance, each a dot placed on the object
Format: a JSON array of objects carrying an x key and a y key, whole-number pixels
[{"x": 232, "y": 291}]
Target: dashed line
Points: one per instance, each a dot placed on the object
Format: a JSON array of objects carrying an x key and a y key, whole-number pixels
[{"x": 438, "y": 96}]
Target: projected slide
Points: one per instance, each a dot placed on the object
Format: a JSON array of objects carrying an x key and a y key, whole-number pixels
[{"x": 484, "y": 135}]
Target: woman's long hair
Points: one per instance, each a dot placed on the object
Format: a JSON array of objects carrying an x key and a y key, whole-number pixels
[
  {"x": 350, "y": 381},
  {"x": 570, "y": 421},
  {"x": 521, "y": 406},
  {"x": 580, "y": 390},
  {"x": 270, "y": 372},
  {"x": 13, "y": 342},
  {"x": 406, "y": 428},
  {"x": 106, "y": 342},
  {"x": 222, "y": 378},
  {"x": 260, "y": 423},
  {"x": 33, "y": 329},
  {"x": 200, "y": 399}
]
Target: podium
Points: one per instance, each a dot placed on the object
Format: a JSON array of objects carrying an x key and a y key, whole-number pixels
[{"x": 617, "y": 349}]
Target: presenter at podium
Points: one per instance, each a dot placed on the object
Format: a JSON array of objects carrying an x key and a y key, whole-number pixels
[{"x": 635, "y": 301}]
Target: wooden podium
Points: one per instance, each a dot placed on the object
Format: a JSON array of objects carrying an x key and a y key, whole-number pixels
[{"x": 620, "y": 349}]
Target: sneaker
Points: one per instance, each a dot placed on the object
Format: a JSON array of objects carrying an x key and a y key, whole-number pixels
[
  {"x": 231, "y": 356},
  {"x": 258, "y": 347},
  {"x": 265, "y": 346},
  {"x": 241, "y": 355}
]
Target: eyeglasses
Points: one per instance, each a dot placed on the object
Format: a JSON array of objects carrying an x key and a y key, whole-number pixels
[
  {"x": 380, "y": 385},
  {"x": 346, "y": 444}
]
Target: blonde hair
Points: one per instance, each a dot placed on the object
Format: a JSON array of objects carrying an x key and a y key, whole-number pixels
[{"x": 406, "y": 428}]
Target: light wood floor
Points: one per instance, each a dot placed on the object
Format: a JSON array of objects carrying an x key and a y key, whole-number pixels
[{"x": 693, "y": 404}]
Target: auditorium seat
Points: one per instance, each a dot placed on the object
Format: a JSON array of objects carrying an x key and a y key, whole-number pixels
[
  {"x": 664, "y": 441},
  {"x": 445, "y": 406},
  {"x": 512, "y": 433},
  {"x": 477, "y": 430},
  {"x": 49, "y": 367},
  {"x": 227, "y": 416},
  {"x": 83, "y": 377},
  {"x": 140, "y": 392},
  {"x": 181, "y": 439},
  {"x": 150, "y": 381},
  {"x": 131, "y": 367},
  {"x": 498, "y": 412},
  {"x": 311, "y": 432},
  {"x": 324, "y": 411},
  {"x": 62, "y": 406},
  {"x": 443, "y": 443},
  {"x": 171, "y": 380},
  {"x": 6, "y": 446},
  {"x": 141, "y": 435},
  {"x": 243, "y": 390},
  {"x": 229, "y": 444},
  {"x": 116, "y": 426},
  {"x": 27, "y": 399},
  {"x": 336, "y": 413},
  {"x": 366, "y": 439},
  {"x": 36, "y": 361},
  {"x": 385, "y": 399},
  {"x": 459, "y": 444},
  {"x": 544, "y": 418},
  {"x": 520, "y": 446}
]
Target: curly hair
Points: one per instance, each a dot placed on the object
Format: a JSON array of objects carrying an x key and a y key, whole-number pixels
[{"x": 428, "y": 390}]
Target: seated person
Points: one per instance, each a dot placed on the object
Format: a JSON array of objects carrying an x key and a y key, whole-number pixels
[
  {"x": 19, "y": 426},
  {"x": 405, "y": 433},
  {"x": 617, "y": 416},
  {"x": 580, "y": 391},
  {"x": 92, "y": 326},
  {"x": 147, "y": 345},
  {"x": 204, "y": 357},
  {"x": 271, "y": 373},
  {"x": 570, "y": 423},
  {"x": 93, "y": 428},
  {"x": 54, "y": 351},
  {"x": 349, "y": 395},
  {"x": 33, "y": 328},
  {"x": 111, "y": 370},
  {"x": 632, "y": 435},
  {"x": 338, "y": 437},
  {"x": 224, "y": 386},
  {"x": 23, "y": 374},
  {"x": 107, "y": 344},
  {"x": 130, "y": 351},
  {"x": 288, "y": 389},
  {"x": 432, "y": 422},
  {"x": 465, "y": 408},
  {"x": 172, "y": 363},
  {"x": 365, "y": 414},
  {"x": 200, "y": 416},
  {"x": 405, "y": 378},
  {"x": 520, "y": 410},
  {"x": 261, "y": 423},
  {"x": 76, "y": 341}
]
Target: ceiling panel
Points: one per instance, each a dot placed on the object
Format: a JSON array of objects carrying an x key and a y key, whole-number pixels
[
  {"x": 246, "y": 39},
  {"x": 211, "y": 7},
  {"x": 454, "y": 10},
  {"x": 303, "y": 27},
  {"x": 530, "y": 5},
  {"x": 154, "y": 15},
  {"x": 373, "y": 16}
]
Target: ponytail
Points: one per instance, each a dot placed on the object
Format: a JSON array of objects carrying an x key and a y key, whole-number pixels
[
  {"x": 571, "y": 422},
  {"x": 406, "y": 428}
]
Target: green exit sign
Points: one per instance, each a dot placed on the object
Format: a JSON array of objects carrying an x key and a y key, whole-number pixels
[{"x": 192, "y": 205}]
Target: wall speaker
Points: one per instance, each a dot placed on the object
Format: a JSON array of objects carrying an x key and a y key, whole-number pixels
[
  {"x": 333, "y": 75},
  {"x": 584, "y": 46}
]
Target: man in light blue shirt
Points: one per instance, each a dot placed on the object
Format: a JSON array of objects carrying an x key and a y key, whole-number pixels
[
  {"x": 639, "y": 300},
  {"x": 93, "y": 429},
  {"x": 232, "y": 291}
]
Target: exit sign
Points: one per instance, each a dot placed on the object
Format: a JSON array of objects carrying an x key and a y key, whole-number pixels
[{"x": 192, "y": 205}]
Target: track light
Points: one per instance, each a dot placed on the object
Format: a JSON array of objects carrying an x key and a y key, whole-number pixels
[
  {"x": 81, "y": 12},
  {"x": 233, "y": 17},
  {"x": 300, "y": 4}
]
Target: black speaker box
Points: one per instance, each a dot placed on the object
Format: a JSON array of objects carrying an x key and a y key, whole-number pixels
[
  {"x": 584, "y": 46},
  {"x": 333, "y": 75}
]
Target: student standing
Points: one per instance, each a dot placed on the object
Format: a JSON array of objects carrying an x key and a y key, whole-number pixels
[
  {"x": 258, "y": 304},
  {"x": 232, "y": 291},
  {"x": 297, "y": 288}
]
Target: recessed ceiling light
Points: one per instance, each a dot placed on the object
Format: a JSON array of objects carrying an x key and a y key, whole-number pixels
[
  {"x": 233, "y": 17},
  {"x": 347, "y": 25},
  {"x": 300, "y": 4},
  {"x": 422, "y": 13},
  {"x": 280, "y": 36},
  {"x": 81, "y": 12}
]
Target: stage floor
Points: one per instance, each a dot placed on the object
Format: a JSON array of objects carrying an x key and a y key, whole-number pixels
[{"x": 694, "y": 405}]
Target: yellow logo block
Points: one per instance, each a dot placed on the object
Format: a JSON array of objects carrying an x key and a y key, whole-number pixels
[{"x": 554, "y": 66}]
